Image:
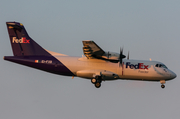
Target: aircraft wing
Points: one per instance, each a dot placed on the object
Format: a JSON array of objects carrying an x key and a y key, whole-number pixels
[{"x": 92, "y": 50}]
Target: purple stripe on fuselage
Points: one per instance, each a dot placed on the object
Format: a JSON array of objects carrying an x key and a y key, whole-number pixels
[{"x": 45, "y": 63}]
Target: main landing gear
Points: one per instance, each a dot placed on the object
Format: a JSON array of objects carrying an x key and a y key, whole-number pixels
[
  {"x": 162, "y": 83},
  {"x": 97, "y": 81}
]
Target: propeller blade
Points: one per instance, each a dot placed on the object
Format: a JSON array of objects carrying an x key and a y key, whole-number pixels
[
  {"x": 108, "y": 54},
  {"x": 128, "y": 55},
  {"x": 121, "y": 56},
  {"x": 120, "y": 62}
]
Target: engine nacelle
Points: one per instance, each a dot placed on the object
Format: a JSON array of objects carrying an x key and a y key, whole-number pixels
[
  {"x": 105, "y": 75},
  {"x": 111, "y": 55}
]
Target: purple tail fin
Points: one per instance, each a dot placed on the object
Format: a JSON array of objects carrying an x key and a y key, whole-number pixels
[{"x": 22, "y": 44}]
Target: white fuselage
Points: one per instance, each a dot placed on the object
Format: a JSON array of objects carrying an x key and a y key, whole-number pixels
[{"x": 130, "y": 69}]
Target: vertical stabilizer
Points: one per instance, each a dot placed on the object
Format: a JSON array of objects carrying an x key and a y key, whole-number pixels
[{"x": 22, "y": 44}]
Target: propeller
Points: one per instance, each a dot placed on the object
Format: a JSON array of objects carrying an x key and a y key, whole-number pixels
[
  {"x": 108, "y": 54},
  {"x": 128, "y": 55},
  {"x": 121, "y": 56}
]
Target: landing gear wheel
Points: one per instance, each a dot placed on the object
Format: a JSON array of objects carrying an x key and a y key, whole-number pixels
[
  {"x": 93, "y": 81},
  {"x": 97, "y": 85},
  {"x": 162, "y": 86}
]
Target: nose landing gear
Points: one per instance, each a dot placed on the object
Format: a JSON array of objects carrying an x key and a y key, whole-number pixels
[
  {"x": 162, "y": 83},
  {"x": 162, "y": 86},
  {"x": 97, "y": 85}
]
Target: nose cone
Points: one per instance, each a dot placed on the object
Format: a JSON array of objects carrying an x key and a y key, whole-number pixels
[{"x": 173, "y": 75}]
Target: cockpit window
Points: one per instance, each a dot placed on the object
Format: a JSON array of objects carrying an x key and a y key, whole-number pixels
[
  {"x": 164, "y": 66},
  {"x": 161, "y": 65},
  {"x": 157, "y": 65}
]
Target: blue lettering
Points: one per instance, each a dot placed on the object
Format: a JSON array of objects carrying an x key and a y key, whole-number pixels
[
  {"x": 127, "y": 64},
  {"x": 136, "y": 66}
]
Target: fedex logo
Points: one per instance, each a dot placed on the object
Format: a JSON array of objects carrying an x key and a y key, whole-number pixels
[
  {"x": 136, "y": 66},
  {"x": 22, "y": 40}
]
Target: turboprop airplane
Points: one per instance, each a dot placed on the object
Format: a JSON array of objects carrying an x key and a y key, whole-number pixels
[{"x": 97, "y": 64}]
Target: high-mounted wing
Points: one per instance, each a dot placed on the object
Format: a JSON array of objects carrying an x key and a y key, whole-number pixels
[{"x": 92, "y": 50}]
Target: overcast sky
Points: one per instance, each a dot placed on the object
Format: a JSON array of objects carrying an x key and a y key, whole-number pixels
[{"x": 146, "y": 28}]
